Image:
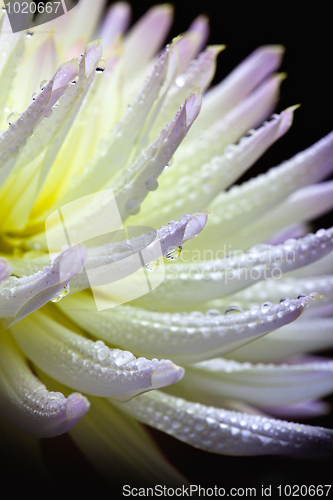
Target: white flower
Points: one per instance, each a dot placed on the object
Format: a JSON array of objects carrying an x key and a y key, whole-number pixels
[{"x": 245, "y": 276}]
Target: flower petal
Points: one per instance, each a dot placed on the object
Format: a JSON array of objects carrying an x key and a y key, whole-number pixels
[
  {"x": 198, "y": 281},
  {"x": 13, "y": 48},
  {"x": 22, "y": 296},
  {"x": 146, "y": 38},
  {"x": 26, "y": 402},
  {"x": 230, "y": 433},
  {"x": 250, "y": 73},
  {"x": 198, "y": 75},
  {"x": 186, "y": 338},
  {"x": 215, "y": 175},
  {"x": 260, "y": 384},
  {"x": 123, "y": 137},
  {"x": 88, "y": 366},
  {"x": 243, "y": 204},
  {"x": 115, "y": 23},
  {"x": 305, "y": 335}
]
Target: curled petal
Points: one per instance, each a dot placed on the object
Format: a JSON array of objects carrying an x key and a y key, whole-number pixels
[
  {"x": 226, "y": 432},
  {"x": 26, "y": 402},
  {"x": 186, "y": 337},
  {"x": 22, "y": 296},
  {"x": 88, "y": 366}
]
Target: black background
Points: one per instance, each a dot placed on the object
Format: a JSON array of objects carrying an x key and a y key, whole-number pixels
[{"x": 306, "y": 34}]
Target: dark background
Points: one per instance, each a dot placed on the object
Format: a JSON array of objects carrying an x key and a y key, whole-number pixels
[{"x": 306, "y": 34}]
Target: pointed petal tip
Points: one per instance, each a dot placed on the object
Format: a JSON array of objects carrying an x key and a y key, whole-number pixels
[
  {"x": 193, "y": 106},
  {"x": 75, "y": 407},
  {"x": 195, "y": 225},
  {"x": 167, "y": 374}
]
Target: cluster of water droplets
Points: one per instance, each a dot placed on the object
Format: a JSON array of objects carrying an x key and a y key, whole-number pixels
[{"x": 172, "y": 254}]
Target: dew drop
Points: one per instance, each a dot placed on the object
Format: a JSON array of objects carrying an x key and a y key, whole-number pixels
[
  {"x": 174, "y": 253},
  {"x": 65, "y": 291},
  {"x": 153, "y": 265},
  {"x": 213, "y": 312},
  {"x": 170, "y": 162},
  {"x": 101, "y": 66},
  {"x": 34, "y": 96},
  {"x": 266, "y": 306},
  {"x": 283, "y": 299},
  {"x": 180, "y": 81},
  {"x": 301, "y": 296},
  {"x": 43, "y": 84},
  {"x": 233, "y": 310},
  {"x": 3, "y": 9},
  {"x": 13, "y": 117},
  {"x": 76, "y": 79},
  {"x": 30, "y": 33},
  {"x": 133, "y": 206},
  {"x": 151, "y": 184}
]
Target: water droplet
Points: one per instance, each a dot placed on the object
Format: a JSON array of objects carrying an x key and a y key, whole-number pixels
[
  {"x": 151, "y": 184},
  {"x": 170, "y": 162},
  {"x": 266, "y": 306},
  {"x": 30, "y": 33},
  {"x": 3, "y": 9},
  {"x": 174, "y": 253},
  {"x": 233, "y": 310},
  {"x": 65, "y": 291},
  {"x": 153, "y": 265},
  {"x": 101, "y": 66},
  {"x": 13, "y": 117},
  {"x": 43, "y": 84},
  {"x": 180, "y": 81},
  {"x": 283, "y": 299},
  {"x": 34, "y": 96},
  {"x": 301, "y": 296},
  {"x": 213, "y": 312},
  {"x": 76, "y": 79},
  {"x": 133, "y": 206}
]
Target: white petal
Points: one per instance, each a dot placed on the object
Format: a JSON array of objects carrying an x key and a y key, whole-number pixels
[
  {"x": 305, "y": 335},
  {"x": 187, "y": 337},
  {"x": 241, "y": 82},
  {"x": 227, "y": 432},
  {"x": 20, "y": 297},
  {"x": 260, "y": 384},
  {"x": 214, "y": 173},
  {"x": 243, "y": 204},
  {"x": 194, "y": 282},
  {"x": 88, "y": 366},
  {"x": 25, "y": 401}
]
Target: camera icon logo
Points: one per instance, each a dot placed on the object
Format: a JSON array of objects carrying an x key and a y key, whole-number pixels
[{"x": 119, "y": 258}]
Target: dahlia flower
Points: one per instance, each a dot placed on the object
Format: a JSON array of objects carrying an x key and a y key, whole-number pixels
[{"x": 212, "y": 349}]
